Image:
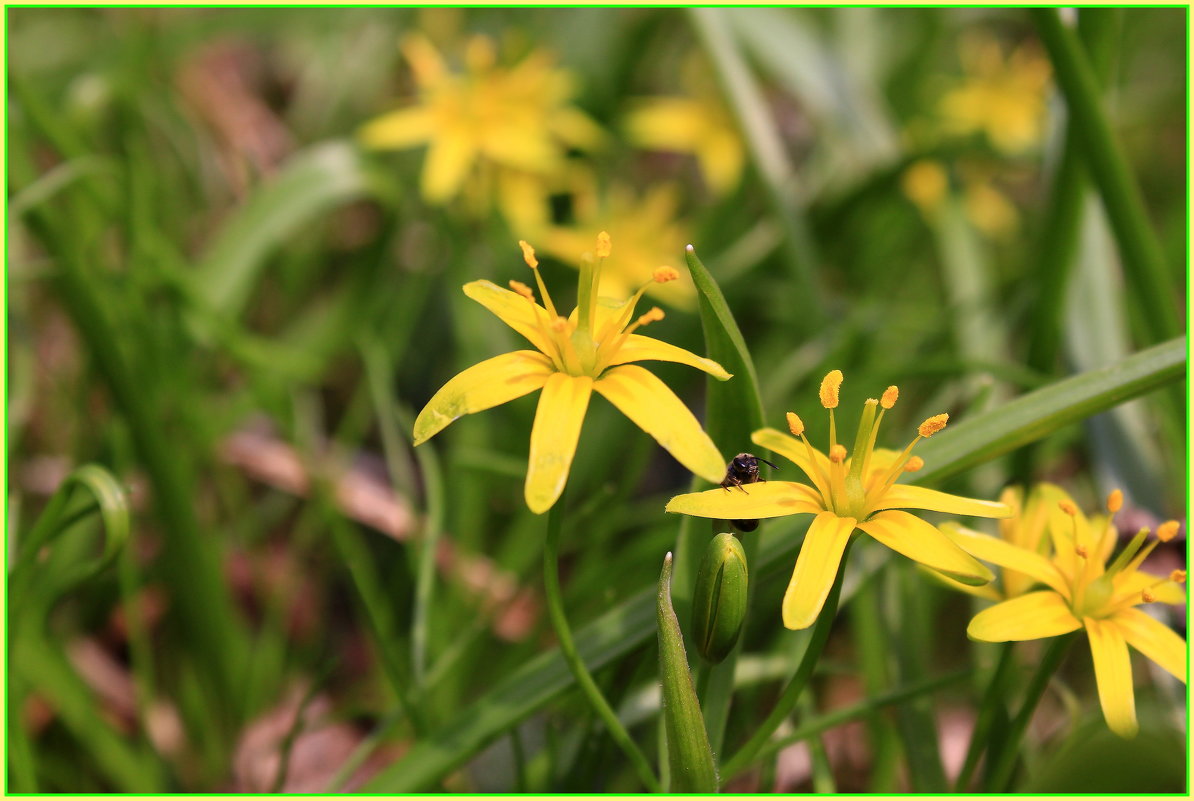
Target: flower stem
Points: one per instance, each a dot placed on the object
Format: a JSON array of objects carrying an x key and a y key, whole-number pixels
[
  {"x": 787, "y": 702},
  {"x": 1005, "y": 762},
  {"x": 980, "y": 738},
  {"x": 555, "y": 609}
]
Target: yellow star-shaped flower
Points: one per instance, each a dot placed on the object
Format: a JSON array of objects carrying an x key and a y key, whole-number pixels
[
  {"x": 513, "y": 119},
  {"x": 593, "y": 349},
  {"x": 849, "y": 493},
  {"x": 1084, "y": 592},
  {"x": 1001, "y": 97}
]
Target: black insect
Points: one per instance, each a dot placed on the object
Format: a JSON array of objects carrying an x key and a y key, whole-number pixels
[{"x": 743, "y": 469}]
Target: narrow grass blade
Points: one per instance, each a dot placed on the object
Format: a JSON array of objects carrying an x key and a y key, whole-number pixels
[
  {"x": 1037, "y": 414},
  {"x": 1144, "y": 259},
  {"x": 767, "y": 152},
  {"x": 310, "y": 185},
  {"x": 112, "y": 504}
]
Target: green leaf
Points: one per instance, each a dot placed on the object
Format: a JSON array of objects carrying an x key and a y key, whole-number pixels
[
  {"x": 311, "y": 184},
  {"x": 734, "y": 411},
  {"x": 689, "y": 758},
  {"x": 59, "y": 517},
  {"x": 1037, "y": 414},
  {"x": 632, "y": 622}
]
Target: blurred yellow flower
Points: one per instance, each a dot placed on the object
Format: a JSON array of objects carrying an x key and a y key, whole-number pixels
[
  {"x": 1084, "y": 592},
  {"x": 699, "y": 125},
  {"x": 649, "y": 235},
  {"x": 516, "y": 118},
  {"x": 849, "y": 493},
  {"x": 1000, "y": 97},
  {"x": 590, "y": 350}
]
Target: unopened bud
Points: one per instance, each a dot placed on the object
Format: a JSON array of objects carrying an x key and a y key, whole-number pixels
[{"x": 719, "y": 598}]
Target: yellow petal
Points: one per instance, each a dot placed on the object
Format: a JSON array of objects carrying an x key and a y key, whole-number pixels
[
  {"x": 575, "y": 128},
  {"x": 655, "y": 409},
  {"x": 986, "y": 591},
  {"x": 1006, "y": 555},
  {"x": 448, "y": 161},
  {"x": 749, "y": 502},
  {"x": 816, "y": 568},
  {"x": 398, "y": 129},
  {"x": 1033, "y": 616},
  {"x": 639, "y": 348},
  {"x": 482, "y": 386},
  {"x": 1154, "y": 639},
  {"x": 554, "y": 435},
  {"x": 1131, "y": 584},
  {"x": 922, "y": 542},
  {"x": 1113, "y": 674},
  {"x": 905, "y": 496},
  {"x": 794, "y": 451},
  {"x": 666, "y": 124},
  {"x": 720, "y": 157},
  {"x": 521, "y": 148},
  {"x": 512, "y": 309}
]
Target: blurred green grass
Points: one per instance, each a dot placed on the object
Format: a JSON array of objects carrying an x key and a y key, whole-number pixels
[{"x": 198, "y": 249}]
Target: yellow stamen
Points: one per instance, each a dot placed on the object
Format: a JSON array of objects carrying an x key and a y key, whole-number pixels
[
  {"x": 830, "y": 386},
  {"x": 890, "y": 396},
  {"x": 934, "y": 424},
  {"x": 1068, "y": 508},
  {"x": 523, "y": 289},
  {"x": 528, "y": 254},
  {"x": 604, "y": 245},
  {"x": 664, "y": 274},
  {"x": 1115, "y": 502},
  {"x": 795, "y": 424},
  {"x": 837, "y": 454},
  {"x": 1178, "y": 577},
  {"x": 654, "y": 315},
  {"x": 559, "y": 325},
  {"x": 913, "y": 464},
  {"x": 1147, "y": 596},
  {"x": 1168, "y": 530},
  {"x": 1081, "y": 551}
]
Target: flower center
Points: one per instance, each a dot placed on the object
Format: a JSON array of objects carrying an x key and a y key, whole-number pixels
[
  {"x": 852, "y": 487},
  {"x": 589, "y": 341},
  {"x": 1094, "y": 592}
]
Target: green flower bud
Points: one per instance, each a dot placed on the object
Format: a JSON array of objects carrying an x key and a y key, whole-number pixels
[{"x": 719, "y": 601}]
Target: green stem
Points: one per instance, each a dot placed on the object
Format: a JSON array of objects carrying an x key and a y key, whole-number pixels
[
  {"x": 992, "y": 698},
  {"x": 1143, "y": 256},
  {"x": 787, "y": 701},
  {"x": 555, "y": 609},
  {"x": 1001, "y": 774}
]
